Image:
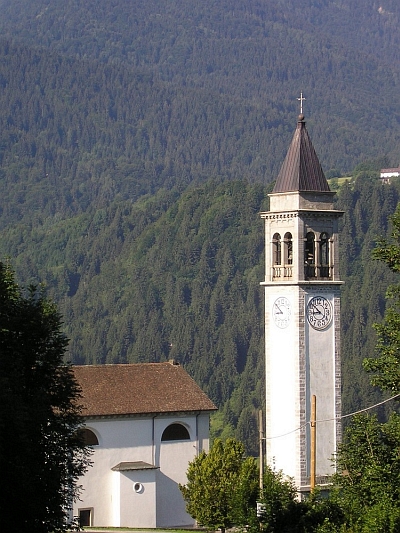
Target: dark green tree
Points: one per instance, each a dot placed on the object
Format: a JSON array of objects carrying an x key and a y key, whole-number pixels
[
  {"x": 368, "y": 475},
  {"x": 368, "y": 460},
  {"x": 285, "y": 513},
  {"x": 41, "y": 450},
  {"x": 222, "y": 487},
  {"x": 280, "y": 503},
  {"x": 385, "y": 368}
]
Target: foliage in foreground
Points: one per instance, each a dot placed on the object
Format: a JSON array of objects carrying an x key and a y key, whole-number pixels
[
  {"x": 222, "y": 491},
  {"x": 285, "y": 513},
  {"x": 41, "y": 452},
  {"x": 385, "y": 368},
  {"x": 368, "y": 478},
  {"x": 222, "y": 487}
]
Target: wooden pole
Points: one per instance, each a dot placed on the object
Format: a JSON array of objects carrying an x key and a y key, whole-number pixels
[
  {"x": 313, "y": 441},
  {"x": 261, "y": 438}
]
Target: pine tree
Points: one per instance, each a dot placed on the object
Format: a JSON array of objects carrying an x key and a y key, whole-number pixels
[
  {"x": 41, "y": 449},
  {"x": 385, "y": 368}
]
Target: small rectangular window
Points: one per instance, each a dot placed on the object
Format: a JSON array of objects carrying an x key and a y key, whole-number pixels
[{"x": 85, "y": 517}]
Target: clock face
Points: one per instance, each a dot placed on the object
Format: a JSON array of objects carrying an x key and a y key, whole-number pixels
[
  {"x": 281, "y": 311},
  {"x": 319, "y": 312}
]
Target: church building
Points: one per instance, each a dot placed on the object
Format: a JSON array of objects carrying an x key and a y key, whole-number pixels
[
  {"x": 302, "y": 317},
  {"x": 145, "y": 422}
]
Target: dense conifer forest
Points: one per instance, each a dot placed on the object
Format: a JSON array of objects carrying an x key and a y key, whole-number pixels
[
  {"x": 138, "y": 143},
  {"x": 176, "y": 275}
]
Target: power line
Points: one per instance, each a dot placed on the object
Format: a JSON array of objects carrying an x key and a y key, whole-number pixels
[
  {"x": 335, "y": 418},
  {"x": 367, "y": 408}
]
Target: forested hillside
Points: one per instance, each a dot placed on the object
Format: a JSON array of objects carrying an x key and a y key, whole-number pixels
[
  {"x": 72, "y": 138},
  {"x": 138, "y": 142},
  {"x": 368, "y": 206},
  {"x": 177, "y": 276},
  {"x": 103, "y": 100}
]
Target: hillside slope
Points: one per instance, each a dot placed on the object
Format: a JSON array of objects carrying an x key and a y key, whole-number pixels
[
  {"x": 177, "y": 276},
  {"x": 138, "y": 141},
  {"x": 198, "y": 90}
]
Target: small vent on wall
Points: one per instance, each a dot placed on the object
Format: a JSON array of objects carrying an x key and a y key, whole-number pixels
[{"x": 138, "y": 487}]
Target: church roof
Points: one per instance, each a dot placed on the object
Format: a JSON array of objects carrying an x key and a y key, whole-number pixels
[
  {"x": 145, "y": 388},
  {"x": 301, "y": 171}
]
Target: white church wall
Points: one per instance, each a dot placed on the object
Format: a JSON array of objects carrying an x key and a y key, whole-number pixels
[
  {"x": 110, "y": 494},
  {"x": 203, "y": 428},
  {"x": 98, "y": 491},
  {"x": 173, "y": 472},
  {"x": 137, "y": 489},
  {"x": 174, "y": 458},
  {"x": 119, "y": 440},
  {"x": 282, "y": 378},
  {"x": 115, "y": 501}
]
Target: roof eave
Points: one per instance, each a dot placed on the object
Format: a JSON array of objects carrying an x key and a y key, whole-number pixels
[{"x": 89, "y": 416}]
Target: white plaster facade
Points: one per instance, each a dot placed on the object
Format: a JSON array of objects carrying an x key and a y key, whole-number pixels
[
  {"x": 390, "y": 172},
  {"x": 135, "y": 473},
  {"x": 111, "y": 495}
]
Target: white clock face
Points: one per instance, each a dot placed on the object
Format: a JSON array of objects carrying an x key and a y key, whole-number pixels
[
  {"x": 281, "y": 311},
  {"x": 319, "y": 312}
]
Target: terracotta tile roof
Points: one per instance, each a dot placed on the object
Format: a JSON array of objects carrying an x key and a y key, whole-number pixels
[
  {"x": 139, "y": 389},
  {"x": 301, "y": 171},
  {"x": 389, "y": 170}
]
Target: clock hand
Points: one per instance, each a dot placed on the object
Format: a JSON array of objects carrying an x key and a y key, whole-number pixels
[
  {"x": 316, "y": 310},
  {"x": 279, "y": 310}
]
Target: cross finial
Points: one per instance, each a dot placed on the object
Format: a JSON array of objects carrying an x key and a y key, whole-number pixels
[{"x": 301, "y": 100}]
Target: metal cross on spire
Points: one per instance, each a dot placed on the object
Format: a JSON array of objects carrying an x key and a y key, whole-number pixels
[{"x": 301, "y": 100}]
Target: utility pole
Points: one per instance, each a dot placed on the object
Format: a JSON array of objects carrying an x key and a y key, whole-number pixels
[
  {"x": 313, "y": 447},
  {"x": 261, "y": 439}
]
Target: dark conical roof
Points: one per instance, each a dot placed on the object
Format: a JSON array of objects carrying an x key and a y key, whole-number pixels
[{"x": 301, "y": 170}]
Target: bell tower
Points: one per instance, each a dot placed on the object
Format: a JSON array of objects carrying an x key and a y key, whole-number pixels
[{"x": 302, "y": 316}]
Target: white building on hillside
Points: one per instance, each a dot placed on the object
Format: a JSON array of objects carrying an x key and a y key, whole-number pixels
[
  {"x": 146, "y": 422},
  {"x": 387, "y": 173}
]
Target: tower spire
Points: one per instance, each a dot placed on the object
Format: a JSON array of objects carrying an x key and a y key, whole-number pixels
[{"x": 301, "y": 170}]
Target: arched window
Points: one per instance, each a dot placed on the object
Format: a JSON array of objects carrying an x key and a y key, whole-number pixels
[
  {"x": 309, "y": 255},
  {"x": 175, "y": 432},
  {"x": 89, "y": 438},
  {"x": 324, "y": 255},
  {"x": 277, "y": 249},
  {"x": 288, "y": 250}
]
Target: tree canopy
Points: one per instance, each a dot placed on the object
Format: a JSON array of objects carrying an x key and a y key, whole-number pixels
[
  {"x": 222, "y": 491},
  {"x": 176, "y": 275},
  {"x": 222, "y": 487},
  {"x": 41, "y": 451},
  {"x": 368, "y": 459},
  {"x": 93, "y": 111},
  {"x": 385, "y": 367},
  {"x": 368, "y": 477}
]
